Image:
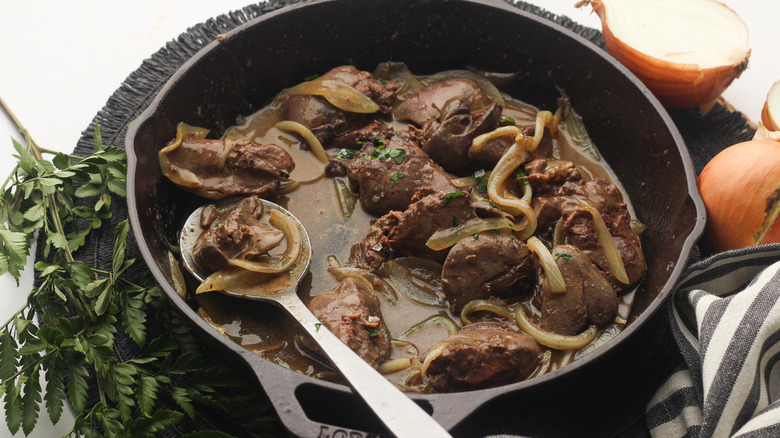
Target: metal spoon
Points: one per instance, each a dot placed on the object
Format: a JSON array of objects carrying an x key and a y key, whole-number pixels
[{"x": 402, "y": 416}]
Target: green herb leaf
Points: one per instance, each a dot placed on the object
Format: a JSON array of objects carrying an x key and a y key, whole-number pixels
[
  {"x": 395, "y": 177},
  {"x": 451, "y": 196},
  {"x": 31, "y": 402},
  {"x": 55, "y": 394},
  {"x": 77, "y": 387}
]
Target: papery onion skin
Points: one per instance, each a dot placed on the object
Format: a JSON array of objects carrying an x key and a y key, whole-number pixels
[
  {"x": 676, "y": 85},
  {"x": 740, "y": 188}
]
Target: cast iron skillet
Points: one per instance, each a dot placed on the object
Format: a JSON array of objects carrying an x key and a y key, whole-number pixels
[{"x": 242, "y": 72}]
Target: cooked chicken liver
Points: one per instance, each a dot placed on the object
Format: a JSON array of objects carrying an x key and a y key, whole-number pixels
[
  {"x": 560, "y": 193},
  {"x": 237, "y": 233},
  {"x": 351, "y": 312},
  {"x": 589, "y": 298},
  {"x": 388, "y": 172},
  {"x": 328, "y": 122},
  {"x": 231, "y": 167},
  {"x": 483, "y": 355},
  {"x": 405, "y": 233},
  {"x": 486, "y": 265}
]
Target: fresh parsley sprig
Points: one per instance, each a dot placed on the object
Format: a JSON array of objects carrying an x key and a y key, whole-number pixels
[{"x": 69, "y": 325}]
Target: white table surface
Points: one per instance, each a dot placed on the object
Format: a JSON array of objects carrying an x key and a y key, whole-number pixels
[{"x": 60, "y": 61}]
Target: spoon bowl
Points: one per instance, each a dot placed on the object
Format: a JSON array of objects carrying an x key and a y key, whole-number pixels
[{"x": 401, "y": 415}]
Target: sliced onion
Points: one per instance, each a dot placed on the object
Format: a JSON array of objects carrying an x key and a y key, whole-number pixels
[
  {"x": 311, "y": 139},
  {"x": 372, "y": 282},
  {"x": 418, "y": 279},
  {"x": 558, "y": 236},
  {"x": 686, "y": 51},
  {"x": 484, "y": 306},
  {"x": 605, "y": 335},
  {"x": 339, "y": 94},
  {"x": 614, "y": 261},
  {"x": 487, "y": 87},
  {"x": 579, "y": 135},
  {"x": 347, "y": 200},
  {"x": 515, "y": 156},
  {"x": 399, "y": 72},
  {"x": 554, "y": 340},
  {"x": 554, "y": 276},
  {"x": 545, "y": 363},
  {"x": 205, "y": 316},
  {"x": 446, "y": 237},
  {"x": 432, "y": 354},
  {"x": 395, "y": 365},
  {"x": 177, "y": 276},
  {"x": 280, "y": 263},
  {"x": 435, "y": 320},
  {"x": 410, "y": 348},
  {"x": 231, "y": 280},
  {"x": 179, "y": 176}
]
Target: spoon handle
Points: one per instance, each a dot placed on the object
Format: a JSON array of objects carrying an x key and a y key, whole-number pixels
[{"x": 402, "y": 416}]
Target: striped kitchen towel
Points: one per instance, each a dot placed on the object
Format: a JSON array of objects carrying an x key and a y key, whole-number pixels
[{"x": 726, "y": 321}]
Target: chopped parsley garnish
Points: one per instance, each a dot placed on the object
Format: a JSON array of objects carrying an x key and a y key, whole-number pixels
[
  {"x": 372, "y": 333},
  {"x": 312, "y": 77},
  {"x": 475, "y": 235},
  {"x": 520, "y": 175},
  {"x": 290, "y": 274},
  {"x": 395, "y": 177},
  {"x": 492, "y": 204},
  {"x": 397, "y": 154},
  {"x": 562, "y": 255},
  {"x": 378, "y": 140},
  {"x": 345, "y": 153},
  {"x": 285, "y": 174},
  {"x": 506, "y": 121},
  {"x": 216, "y": 224},
  {"x": 317, "y": 326},
  {"x": 482, "y": 183},
  {"x": 451, "y": 196}
]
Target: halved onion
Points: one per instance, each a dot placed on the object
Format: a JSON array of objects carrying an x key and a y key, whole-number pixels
[
  {"x": 740, "y": 188},
  {"x": 686, "y": 51},
  {"x": 339, "y": 94},
  {"x": 770, "y": 114},
  {"x": 280, "y": 263},
  {"x": 446, "y": 237},
  {"x": 554, "y": 276},
  {"x": 554, "y": 340}
]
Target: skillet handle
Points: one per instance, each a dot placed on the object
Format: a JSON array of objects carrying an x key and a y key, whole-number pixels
[{"x": 402, "y": 416}]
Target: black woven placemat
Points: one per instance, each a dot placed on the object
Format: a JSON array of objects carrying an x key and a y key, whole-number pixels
[{"x": 704, "y": 135}]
